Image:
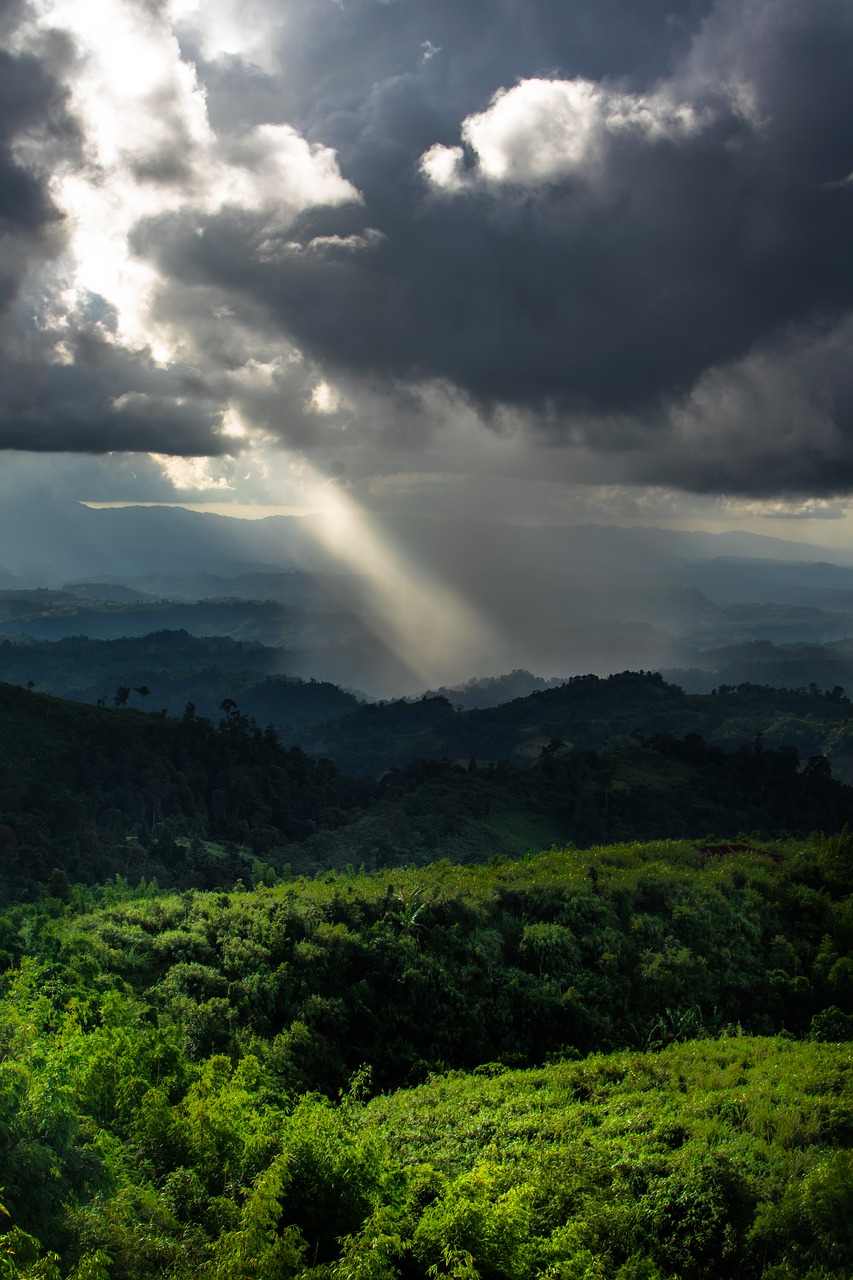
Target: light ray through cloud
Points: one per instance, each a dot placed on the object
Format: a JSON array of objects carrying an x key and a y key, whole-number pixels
[{"x": 425, "y": 624}]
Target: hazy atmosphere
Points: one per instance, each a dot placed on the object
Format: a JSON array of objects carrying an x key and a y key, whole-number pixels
[{"x": 387, "y": 264}]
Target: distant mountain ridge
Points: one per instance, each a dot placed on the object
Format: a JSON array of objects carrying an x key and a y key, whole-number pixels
[
  {"x": 44, "y": 545},
  {"x": 510, "y": 717}
]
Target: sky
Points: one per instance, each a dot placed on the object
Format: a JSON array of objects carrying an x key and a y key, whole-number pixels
[{"x": 527, "y": 260}]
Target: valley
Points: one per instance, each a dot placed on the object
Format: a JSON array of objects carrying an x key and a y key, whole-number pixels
[{"x": 516, "y": 976}]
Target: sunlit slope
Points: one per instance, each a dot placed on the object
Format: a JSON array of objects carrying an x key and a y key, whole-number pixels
[
  {"x": 709, "y": 1159},
  {"x": 572, "y": 950},
  {"x": 184, "y": 1076}
]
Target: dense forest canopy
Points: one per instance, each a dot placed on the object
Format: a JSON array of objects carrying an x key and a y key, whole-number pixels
[
  {"x": 588, "y": 712},
  {"x": 511, "y": 717},
  {"x": 561, "y": 1067}
]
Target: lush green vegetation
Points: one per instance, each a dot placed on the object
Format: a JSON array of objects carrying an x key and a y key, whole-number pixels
[
  {"x": 93, "y": 792},
  {"x": 557, "y": 1067},
  {"x": 622, "y": 1062},
  {"x": 646, "y": 789},
  {"x": 717, "y": 1158}
]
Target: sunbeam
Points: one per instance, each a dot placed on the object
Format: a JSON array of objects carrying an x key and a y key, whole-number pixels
[{"x": 426, "y": 625}]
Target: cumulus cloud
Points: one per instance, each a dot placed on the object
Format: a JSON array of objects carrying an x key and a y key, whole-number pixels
[{"x": 542, "y": 131}]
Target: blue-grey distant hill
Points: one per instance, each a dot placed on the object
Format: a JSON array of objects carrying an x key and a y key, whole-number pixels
[
  {"x": 55, "y": 542},
  {"x": 558, "y": 601}
]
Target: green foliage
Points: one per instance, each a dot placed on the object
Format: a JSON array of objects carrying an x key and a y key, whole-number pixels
[
  {"x": 704, "y": 1160},
  {"x": 186, "y": 1074},
  {"x": 164, "y": 1059},
  {"x": 87, "y": 793}
]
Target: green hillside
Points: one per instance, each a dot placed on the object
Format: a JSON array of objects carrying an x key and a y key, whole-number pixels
[
  {"x": 627, "y": 1063},
  {"x": 96, "y": 792},
  {"x": 621, "y": 1062}
]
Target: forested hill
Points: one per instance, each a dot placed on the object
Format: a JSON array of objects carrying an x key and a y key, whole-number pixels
[
  {"x": 168, "y": 669},
  {"x": 174, "y": 668},
  {"x": 88, "y": 793},
  {"x": 587, "y": 712},
  {"x": 383, "y": 1077},
  {"x": 621, "y": 1063},
  {"x": 96, "y": 792}
]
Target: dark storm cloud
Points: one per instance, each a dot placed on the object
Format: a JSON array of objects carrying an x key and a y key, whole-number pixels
[
  {"x": 606, "y": 294},
  {"x": 24, "y": 93},
  {"x": 103, "y": 399},
  {"x": 29, "y": 221},
  {"x": 779, "y": 422},
  {"x": 670, "y": 290},
  {"x": 341, "y": 63}
]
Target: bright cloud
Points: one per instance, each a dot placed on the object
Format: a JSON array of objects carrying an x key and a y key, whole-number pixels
[
  {"x": 226, "y": 230},
  {"x": 191, "y": 474},
  {"x": 233, "y": 28},
  {"x": 324, "y": 398},
  {"x": 545, "y": 130},
  {"x": 149, "y": 150}
]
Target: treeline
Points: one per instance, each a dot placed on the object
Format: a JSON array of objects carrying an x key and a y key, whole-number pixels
[
  {"x": 661, "y": 786},
  {"x": 92, "y": 792},
  {"x": 206, "y": 1084},
  {"x": 589, "y": 713},
  {"x": 176, "y": 668},
  {"x": 87, "y": 793}
]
